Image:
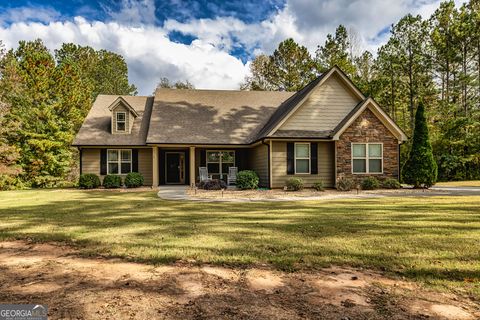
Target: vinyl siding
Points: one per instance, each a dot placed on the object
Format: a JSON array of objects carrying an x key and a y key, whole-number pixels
[
  {"x": 324, "y": 109},
  {"x": 91, "y": 161},
  {"x": 326, "y": 165},
  {"x": 145, "y": 165},
  {"x": 128, "y": 116},
  {"x": 258, "y": 162}
]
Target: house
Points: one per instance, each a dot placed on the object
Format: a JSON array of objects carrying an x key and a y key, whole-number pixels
[{"x": 327, "y": 130}]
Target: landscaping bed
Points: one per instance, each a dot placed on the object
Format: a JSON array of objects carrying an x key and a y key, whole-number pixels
[{"x": 279, "y": 194}]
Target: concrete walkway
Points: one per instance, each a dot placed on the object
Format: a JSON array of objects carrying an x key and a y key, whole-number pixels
[{"x": 180, "y": 193}]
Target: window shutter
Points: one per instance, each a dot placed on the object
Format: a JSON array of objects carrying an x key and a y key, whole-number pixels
[
  {"x": 290, "y": 158},
  {"x": 203, "y": 158},
  {"x": 103, "y": 162},
  {"x": 314, "y": 158},
  {"x": 135, "y": 160}
]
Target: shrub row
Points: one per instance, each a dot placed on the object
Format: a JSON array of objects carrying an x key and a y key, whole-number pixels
[
  {"x": 346, "y": 184},
  {"x": 368, "y": 183},
  {"x": 91, "y": 181}
]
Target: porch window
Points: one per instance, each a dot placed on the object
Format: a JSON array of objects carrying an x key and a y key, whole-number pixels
[
  {"x": 302, "y": 158},
  {"x": 119, "y": 161},
  {"x": 218, "y": 162},
  {"x": 121, "y": 116},
  {"x": 367, "y": 158}
]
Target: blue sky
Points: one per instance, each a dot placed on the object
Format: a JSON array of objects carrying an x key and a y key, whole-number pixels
[{"x": 210, "y": 43}]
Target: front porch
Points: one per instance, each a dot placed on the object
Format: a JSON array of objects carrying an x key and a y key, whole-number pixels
[{"x": 179, "y": 165}]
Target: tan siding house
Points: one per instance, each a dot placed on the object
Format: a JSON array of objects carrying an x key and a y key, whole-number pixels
[{"x": 323, "y": 132}]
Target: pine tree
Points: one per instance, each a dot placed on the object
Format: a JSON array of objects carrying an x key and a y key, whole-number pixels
[{"x": 420, "y": 168}]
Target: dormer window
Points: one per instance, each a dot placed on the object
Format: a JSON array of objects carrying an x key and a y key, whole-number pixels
[
  {"x": 123, "y": 116},
  {"x": 121, "y": 123}
]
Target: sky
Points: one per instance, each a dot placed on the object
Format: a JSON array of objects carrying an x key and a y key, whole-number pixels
[{"x": 209, "y": 43}]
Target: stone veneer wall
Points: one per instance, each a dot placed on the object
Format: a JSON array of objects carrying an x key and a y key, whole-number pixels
[{"x": 367, "y": 128}]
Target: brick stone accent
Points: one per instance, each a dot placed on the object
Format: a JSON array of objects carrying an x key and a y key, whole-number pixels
[{"x": 367, "y": 128}]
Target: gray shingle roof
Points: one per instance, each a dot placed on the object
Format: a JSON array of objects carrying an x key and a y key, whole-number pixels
[
  {"x": 211, "y": 116},
  {"x": 96, "y": 129}
]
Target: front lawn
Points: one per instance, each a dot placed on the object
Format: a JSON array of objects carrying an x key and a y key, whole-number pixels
[
  {"x": 435, "y": 240},
  {"x": 467, "y": 183}
]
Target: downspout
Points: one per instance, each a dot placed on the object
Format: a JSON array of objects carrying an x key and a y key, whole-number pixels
[
  {"x": 398, "y": 162},
  {"x": 268, "y": 163}
]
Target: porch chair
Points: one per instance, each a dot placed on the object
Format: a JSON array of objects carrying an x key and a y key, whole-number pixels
[
  {"x": 232, "y": 175},
  {"x": 203, "y": 173}
]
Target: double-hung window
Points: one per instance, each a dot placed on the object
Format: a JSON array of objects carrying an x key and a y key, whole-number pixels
[
  {"x": 367, "y": 157},
  {"x": 218, "y": 162},
  {"x": 302, "y": 158},
  {"x": 121, "y": 121},
  {"x": 119, "y": 161}
]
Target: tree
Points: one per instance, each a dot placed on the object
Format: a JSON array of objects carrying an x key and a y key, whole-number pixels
[
  {"x": 165, "y": 83},
  {"x": 420, "y": 168},
  {"x": 290, "y": 67},
  {"x": 258, "y": 78},
  {"x": 338, "y": 51}
]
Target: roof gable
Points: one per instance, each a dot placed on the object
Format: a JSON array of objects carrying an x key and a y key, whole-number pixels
[
  {"x": 122, "y": 101},
  {"x": 372, "y": 105},
  {"x": 287, "y": 109}
]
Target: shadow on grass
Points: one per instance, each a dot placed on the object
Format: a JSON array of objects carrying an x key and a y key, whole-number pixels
[{"x": 432, "y": 239}]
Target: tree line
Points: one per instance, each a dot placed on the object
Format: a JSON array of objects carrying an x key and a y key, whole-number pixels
[
  {"x": 435, "y": 61},
  {"x": 44, "y": 99},
  {"x": 45, "y": 96}
]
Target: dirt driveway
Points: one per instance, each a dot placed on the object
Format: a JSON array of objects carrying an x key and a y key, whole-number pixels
[{"x": 75, "y": 287}]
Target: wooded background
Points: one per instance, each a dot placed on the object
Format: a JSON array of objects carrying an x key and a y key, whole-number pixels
[{"x": 45, "y": 96}]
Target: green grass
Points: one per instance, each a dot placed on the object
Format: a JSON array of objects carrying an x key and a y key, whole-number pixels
[
  {"x": 468, "y": 183},
  {"x": 435, "y": 240}
]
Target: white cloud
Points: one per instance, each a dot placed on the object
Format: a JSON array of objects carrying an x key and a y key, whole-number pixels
[
  {"x": 206, "y": 62},
  {"x": 147, "y": 50}
]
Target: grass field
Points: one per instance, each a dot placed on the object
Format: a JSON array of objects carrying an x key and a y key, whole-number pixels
[
  {"x": 435, "y": 240},
  {"x": 471, "y": 183}
]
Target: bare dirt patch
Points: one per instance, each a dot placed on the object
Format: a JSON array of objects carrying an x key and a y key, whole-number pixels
[{"x": 74, "y": 287}]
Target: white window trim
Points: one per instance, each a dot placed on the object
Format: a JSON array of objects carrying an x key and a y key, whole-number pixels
[
  {"x": 124, "y": 121},
  {"x": 302, "y": 158},
  {"x": 367, "y": 157},
  {"x": 219, "y": 161},
  {"x": 119, "y": 161}
]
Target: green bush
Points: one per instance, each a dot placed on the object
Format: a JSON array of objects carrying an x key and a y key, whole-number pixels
[
  {"x": 370, "y": 183},
  {"x": 318, "y": 186},
  {"x": 247, "y": 179},
  {"x": 88, "y": 181},
  {"x": 295, "y": 184},
  {"x": 9, "y": 182},
  {"x": 214, "y": 184},
  {"x": 391, "y": 184},
  {"x": 134, "y": 180},
  {"x": 345, "y": 184},
  {"x": 112, "y": 181}
]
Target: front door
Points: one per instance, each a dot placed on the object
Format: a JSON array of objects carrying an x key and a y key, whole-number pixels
[{"x": 175, "y": 167}]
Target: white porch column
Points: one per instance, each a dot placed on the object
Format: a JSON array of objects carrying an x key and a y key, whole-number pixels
[
  {"x": 155, "y": 167},
  {"x": 192, "y": 166}
]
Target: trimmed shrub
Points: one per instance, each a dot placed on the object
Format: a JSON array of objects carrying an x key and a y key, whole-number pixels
[
  {"x": 88, "y": 181},
  {"x": 420, "y": 170},
  {"x": 295, "y": 184},
  {"x": 391, "y": 184},
  {"x": 214, "y": 184},
  {"x": 318, "y": 186},
  {"x": 247, "y": 179},
  {"x": 345, "y": 184},
  {"x": 112, "y": 181},
  {"x": 134, "y": 180},
  {"x": 370, "y": 183}
]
